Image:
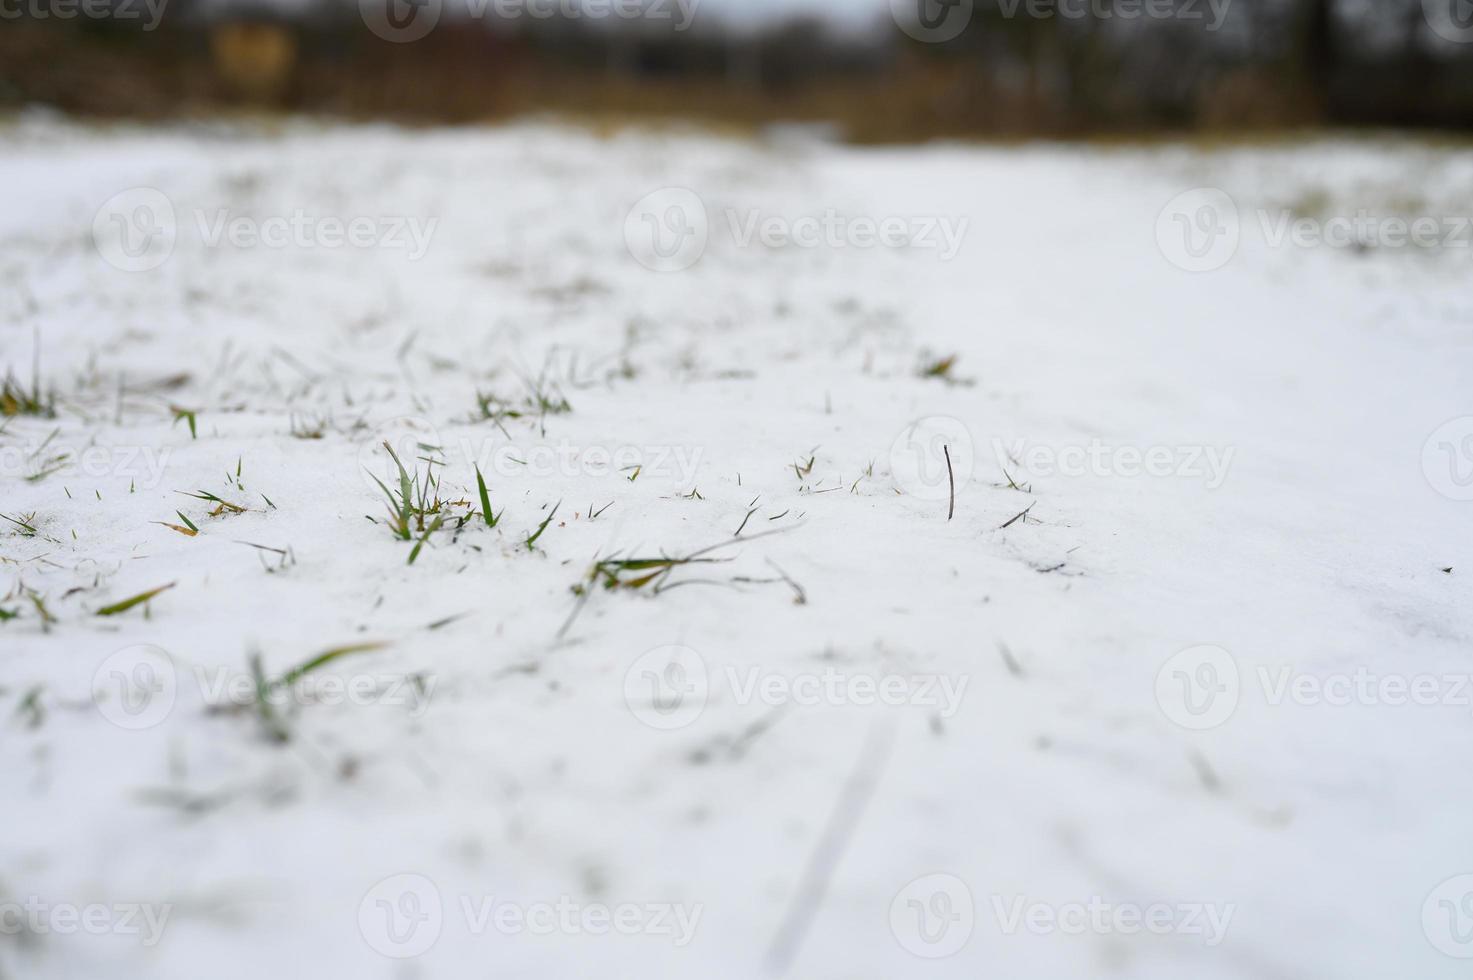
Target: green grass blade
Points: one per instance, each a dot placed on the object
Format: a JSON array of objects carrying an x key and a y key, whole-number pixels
[
  {"x": 491, "y": 518},
  {"x": 126, "y": 604},
  {"x": 531, "y": 541}
]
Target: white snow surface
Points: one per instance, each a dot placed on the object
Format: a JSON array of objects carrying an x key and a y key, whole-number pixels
[{"x": 527, "y": 776}]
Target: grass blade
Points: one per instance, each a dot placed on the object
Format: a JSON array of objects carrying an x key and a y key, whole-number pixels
[
  {"x": 126, "y": 604},
  {"x": 531, "y": 541},
  {"x": 491, "y": 518}
]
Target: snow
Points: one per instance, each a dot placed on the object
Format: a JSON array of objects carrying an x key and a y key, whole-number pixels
[{"x": 786, "y": 822}]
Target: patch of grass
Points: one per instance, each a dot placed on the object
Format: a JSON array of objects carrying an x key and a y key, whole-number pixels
[
  {"x": 27, "y": 529},
  {"x": 541, "y": 398},
  {"x": 414, "y": 504},
  {"x": 634, "y": 574},
  {"x": 16, "y": 399},
  {"x": 309, "y": 427},
  {"x": 547, "y": 397},
  {"x": 221, "y": 506},
  {"x": 414, "y": 498},
  {"x": 494, "y": 409}
]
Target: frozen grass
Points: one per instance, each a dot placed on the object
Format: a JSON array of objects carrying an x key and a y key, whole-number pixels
[{"x": 488, "y": 486}]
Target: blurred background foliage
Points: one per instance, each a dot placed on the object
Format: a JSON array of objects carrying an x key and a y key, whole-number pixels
[{"x": 1274, "y": 64}]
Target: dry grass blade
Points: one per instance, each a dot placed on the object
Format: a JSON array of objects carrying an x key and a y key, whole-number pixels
[{"x": 222, "y": 506}]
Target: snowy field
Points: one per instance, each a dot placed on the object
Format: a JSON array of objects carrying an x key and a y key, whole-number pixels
[{"x": 1173, "y": 684}]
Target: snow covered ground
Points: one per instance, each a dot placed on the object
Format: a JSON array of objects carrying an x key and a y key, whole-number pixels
[{"x": 1180, "y": 689}]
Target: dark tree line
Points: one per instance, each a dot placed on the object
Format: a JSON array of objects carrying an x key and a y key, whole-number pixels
[{"x": 1236, "y": 64}]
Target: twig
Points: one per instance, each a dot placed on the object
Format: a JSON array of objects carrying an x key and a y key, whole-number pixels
[
  {"x": 853, "y": 800},
  {"x": 1016, "y": 519},
  {"x": 951, "y": 477},
  {"x": 802, "y": 597},
  {"x": 738, "y": 532}
]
